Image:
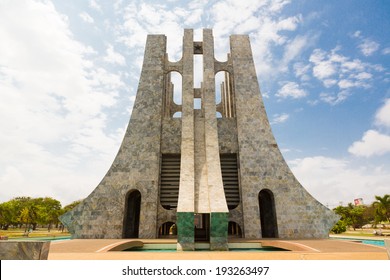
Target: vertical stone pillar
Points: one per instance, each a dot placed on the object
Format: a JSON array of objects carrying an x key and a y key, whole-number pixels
[
  {"x": 253, "y": 131},
  {"x": 185, "y": 208},
  {"x": 218, "y": 206}
]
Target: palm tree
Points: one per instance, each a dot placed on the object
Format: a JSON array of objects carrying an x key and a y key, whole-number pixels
[{"x": 382, "y": 208}]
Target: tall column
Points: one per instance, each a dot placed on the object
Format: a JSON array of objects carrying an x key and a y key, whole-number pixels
[
  {"x": 218, "y": 206},
  {"x": 185, "y": 208}
]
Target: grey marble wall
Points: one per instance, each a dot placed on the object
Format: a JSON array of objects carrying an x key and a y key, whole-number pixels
[{"x": 24, "y": 250}]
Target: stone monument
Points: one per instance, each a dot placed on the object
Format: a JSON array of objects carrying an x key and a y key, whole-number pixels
[{"x": 206, "y": 173}]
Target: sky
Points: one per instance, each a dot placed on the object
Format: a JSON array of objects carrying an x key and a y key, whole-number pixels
[{"x": 69, "y": 72}]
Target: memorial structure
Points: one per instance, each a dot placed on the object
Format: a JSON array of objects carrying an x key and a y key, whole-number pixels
[{"x": 206, "y": 173}]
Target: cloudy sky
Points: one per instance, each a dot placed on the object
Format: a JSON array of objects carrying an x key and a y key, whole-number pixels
[{"x": 69, "y": 73}]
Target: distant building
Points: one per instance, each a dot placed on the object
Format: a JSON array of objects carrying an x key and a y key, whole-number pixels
[
  {"x": 358, "y": 201},
  {"x": 205, "y": 176}
]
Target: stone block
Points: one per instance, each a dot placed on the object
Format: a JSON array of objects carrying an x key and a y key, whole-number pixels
[{"x": 24, "y": 250}]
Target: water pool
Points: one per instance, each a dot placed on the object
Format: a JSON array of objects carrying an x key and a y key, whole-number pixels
[
  {"x": 374, "y": 242},
  {"x": 165, "y": 250},
  {"x": 380, "y": 243}
]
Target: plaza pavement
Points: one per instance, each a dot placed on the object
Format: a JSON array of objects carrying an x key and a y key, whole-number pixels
[{"x": 323, "y": 249}]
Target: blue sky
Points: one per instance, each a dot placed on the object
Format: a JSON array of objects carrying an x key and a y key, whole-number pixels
[{"x": 69, "y": 72}]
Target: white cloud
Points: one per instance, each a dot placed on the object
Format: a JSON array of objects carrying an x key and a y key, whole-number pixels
[
  {"x": 291, "y": 89},
  {"x": 333, "y": 180},
  {"x": 386, "y": 51},
  {"x": 292, "y": 50},
  {"x": 114, "y": 57},
  {"x": 334, "y": 99},
  {"x": 382, "y": 117},
  {"x": 56, "y": 97},
  {"x": 280, "y": 118},
  {"x": 334, "y": 69},
  {"x": 323, "y": 68},
  {"x": 373, "y": 143},
  {"x": 301, "y": 70},
  {"x": 368, "y": 47},
  {"x": 357, "y": 34},
  {"x": 86, "y": 17},
  {"x": 94, "y": 5},
  {"x": 278, "y": 5}
]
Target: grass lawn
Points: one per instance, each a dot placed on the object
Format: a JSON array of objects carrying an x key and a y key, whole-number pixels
[
  {"x": 15, "y": 233},
  {"x": 364, "y": 232}
]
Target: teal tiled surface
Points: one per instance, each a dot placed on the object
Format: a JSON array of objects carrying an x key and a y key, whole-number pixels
[
  {"x": 185, "y": 230},
  {"x": 219, "y": 231}
]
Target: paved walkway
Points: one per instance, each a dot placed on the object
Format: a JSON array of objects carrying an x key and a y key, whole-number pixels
[{"x": 323, "y": 249}]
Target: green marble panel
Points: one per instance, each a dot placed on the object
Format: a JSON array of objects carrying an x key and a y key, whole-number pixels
[
  {"x": 219, "y": 231},
  {"x": 185, "y": 231}
]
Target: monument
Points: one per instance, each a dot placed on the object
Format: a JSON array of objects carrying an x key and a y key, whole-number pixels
[{"x": 208, "y": 173}]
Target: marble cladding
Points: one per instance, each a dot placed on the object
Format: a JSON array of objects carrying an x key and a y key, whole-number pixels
[
  {"x": 185, "y": 231},
  {"x": 219, "y": 231},
  {"x": 24, "y": 250}
]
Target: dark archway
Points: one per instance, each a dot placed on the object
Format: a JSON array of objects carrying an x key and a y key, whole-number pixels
[
  {"x": 234, "y": 230},
  {"x": 202, "y": 227},
  {"x": 167, "y": 230},
  {"x": 132, "y": 213},
  {"x": 269, "y": 226}
]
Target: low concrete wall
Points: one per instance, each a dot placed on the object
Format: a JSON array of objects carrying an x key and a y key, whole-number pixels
[{"x": 24, "y": 250}]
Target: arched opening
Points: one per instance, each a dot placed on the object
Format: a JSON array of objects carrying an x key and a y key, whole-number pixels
[
  {"x": 198, "y": 71},
  {"x": 173, "y": 94},
  {"x": 224, "y": 96},
  {"x": 176, "y": 80},
  {"x": 177, "y": 115},
  {"x": 132, "y": 213},
  {"x": 234, "y": 230},
  {"x": 219, "y": 83},
  {"x": 269, "y": 226},
  {"x": 202, "y": 227},
  {"x": 167, "y": 230}
]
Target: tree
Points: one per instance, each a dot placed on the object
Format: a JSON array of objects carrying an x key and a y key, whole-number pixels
[
  {"x": 49, "y": 209},
  {"x": 352, "y": 215},
  {"x": 72, "y": 205},
  {"x": 29, "y": 213},
  {"x": 339, "y": 227},
  {"x": 382, "y": 208},
  {"x": 6, "y": 215},
  {"x": 356, "y": 215}
]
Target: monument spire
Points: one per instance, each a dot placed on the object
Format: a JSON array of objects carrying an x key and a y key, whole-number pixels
[{"x": 208, "y": 177}]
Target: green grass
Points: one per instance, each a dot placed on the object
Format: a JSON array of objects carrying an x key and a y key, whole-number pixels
[
  {"x": 13, "y": 233},
  {"x": 363, "y": 232}
]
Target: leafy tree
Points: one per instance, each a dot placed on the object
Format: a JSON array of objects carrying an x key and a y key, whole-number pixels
[
  {"x": 339, "y": 227},
  {"x": 369, "y": 214},
  {"x": 356, "y": 216},
  {"x": 72, "y": 205},
  {"x": 382, "y": 208},
  {"x": 6, "y": 215},
  {"x": 29, "y": 213},
  {"x": 352, "y": 215},
  {"x": 49, "y": 210}
]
